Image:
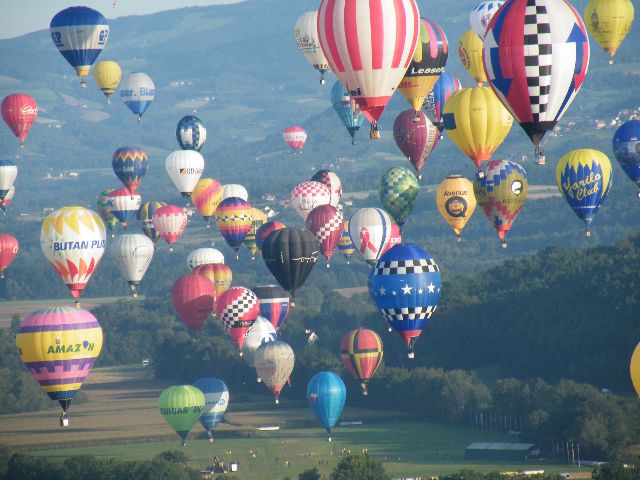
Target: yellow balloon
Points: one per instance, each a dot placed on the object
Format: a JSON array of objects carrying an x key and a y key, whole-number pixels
[
  {"x": 609, "y": 21},
  {"x": 456, "y": 202},
  {"x": 107, "y": 76},
  {"x": 476, "y": 121},
  {"x": 470, "y": 52},
  {"x": 634, "y": 369}
]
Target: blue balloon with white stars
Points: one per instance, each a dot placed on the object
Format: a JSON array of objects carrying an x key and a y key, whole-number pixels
[{"x": 406, "y": 287}]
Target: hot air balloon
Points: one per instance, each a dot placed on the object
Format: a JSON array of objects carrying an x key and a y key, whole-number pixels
[
  {"x": 194, "y": 299},
  {"x": 264, "y": 231},
  {"x": 6, "y": 201},
  {"x": 295, "y": 137},
  {"x": 261, "y": 332},
  {"x": 626, "y": 148},
  {"x": 361, "y": 352},
  {"x": 326, "y": 223},
  {"x": 204, "y": 256},
  {"x": 234, "y": 190},
  {"x": 124, "y": 205},
  {"x": 206, "y": 196},
  {"x": 347, "y": 109},
  {"x": 19, "y": 111},
  {"x": 191, "y": 133},
  {"x": 170, "y": 221},
  {"x": 446, "y": 86},
  {"x": 274, "y": 363},
  {"x": 609, "y": 21},
  {"x": 130, "y": 164},
  {"x": 216, "y": 401},
  {"x": 145, "y": 215},
  {"x": 306, "y": 33},
  {"x": 9, "y": 247},
  {"x": 536, "y": 59},
  {"x": 133, "y": 254},
  {"x": 137, "y": 93},
  {"x": 59, "y": 346},
  {"x": 394, "y": 238},
  {"x": 290, "y": 254},
  {"x": 345, "y": 245},
  {"x": 103, "y": 209},
  {"x": 456, "y": 202},
  {"x": 481, "y": 15},
  {"x": 470, "y": 53},
  {"x": 332, "y": 182},
  {"x": 406, "y": 286},
  {"x": 634, "y": 369},
  {"x": 370, "y": 230},
  {"x": 326, "y": 395},
  {"x": 584, "y": 179},
  {"x": 181, "y": 406},
  {"x": 73, "y": 241},
  {"x": 308, "y": 195},
  {"x": 372, "y": 65},
  {"x": 415, "y": 136},
  {"x": 184, "y": 168},
  {"x": 477, "y": 122},
  {"x": 274, "y": 303},
  {"x": 398, "y": 191},
  {"x": 107, "y": 76},
  {"x": 220, "y": 274},
  {"x": 258, "y": 218},
  {"x": 500, "y": 188},
  {"x": 237, "y": 309},
  {"x": 79, "y": 34},
  {"x": 427, "y": 63},
  {"x": 8, "y": 174},
  {"x": 233, "y": 218}
]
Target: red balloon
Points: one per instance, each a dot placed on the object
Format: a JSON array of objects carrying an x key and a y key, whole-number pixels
[
  {"x": 295, "y": 137},
  {"x": 415, "y": 139},
  {"x": 19, "y": 110},
  {"x": 193, "y": 298},
  {"x": 394, "y": 238},
  {"x": 237, "y": 309},
  {"x": 9, "y": 247},
  {"x": 326, "y": 223}
]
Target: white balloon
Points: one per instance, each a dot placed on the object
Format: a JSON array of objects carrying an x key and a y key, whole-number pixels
[
  {"x": 184, "y": 168},
  {"x": 204, "y": 256},
  {"x": 306, "y": 33},
  {"x": 235, "y": 190},
  {"x": 481, "y": 14},
  {"x": 133, "y": 253},
  {"x": 261, "y": 332}
]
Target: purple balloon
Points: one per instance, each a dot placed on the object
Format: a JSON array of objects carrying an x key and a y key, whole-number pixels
[{"x": 415, "y": 136}]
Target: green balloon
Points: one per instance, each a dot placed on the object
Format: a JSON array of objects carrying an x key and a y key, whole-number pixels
[
  {"x": 181, "y": 406},
  {"x": 398, "y": 192}
]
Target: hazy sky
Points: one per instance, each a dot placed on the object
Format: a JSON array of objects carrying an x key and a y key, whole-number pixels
[{"x": 23, "y": 16}]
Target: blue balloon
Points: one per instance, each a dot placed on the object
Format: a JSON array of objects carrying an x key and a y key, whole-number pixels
[
  {"x": 191, "y": 133},
  {"x": 216, "y": 397},
  {"x": 406, "y": 286},
  {"x": 326, "y": 395},
  {"x": 626, "y": 148},
  {"x": 446, "y": 85},
  {"x": 130, "y": 164},
  {"x": 348, "y": 110}
]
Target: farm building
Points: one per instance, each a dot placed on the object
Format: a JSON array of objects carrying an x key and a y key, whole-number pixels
[{"x": 517, "y": 452}]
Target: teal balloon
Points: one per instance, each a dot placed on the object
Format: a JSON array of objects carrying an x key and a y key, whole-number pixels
[
  {"x": 326, "y": 395},
  {"x": 398, "y": 192},
  {"x": 347, "y": 109}
]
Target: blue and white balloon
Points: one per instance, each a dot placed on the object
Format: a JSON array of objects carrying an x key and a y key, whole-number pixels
[
  {"x": 137, "y": 92},
  {"x": 216, "y": 396}
]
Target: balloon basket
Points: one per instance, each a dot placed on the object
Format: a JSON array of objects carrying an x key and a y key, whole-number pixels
[
  {"x": 411, "y": 355},
  {"x": 587, "y": 233},
  {"x": 83, "y": 83},
  {"x": 458, "y": 238},
  {"x": 139, "y": 119},
  {"x": 210, "y": 439},
  {"x": 638, "y": 194},
  {"x": 329, "y": 438},
  {"x": 64, "y": 420},
  {"x": 259, "y": 380},
  {"x": 503, "y": 244},
  {"x": 277, "y": 401},
  {"x": 241, "y": 353},
  {"x": 328, "y": 266},
  {"x": 184, "y": 444},
  {"x": 1, "y": 275}
]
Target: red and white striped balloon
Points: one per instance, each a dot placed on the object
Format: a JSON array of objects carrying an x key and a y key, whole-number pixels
[
  {"x": 170, "y": 221},
  {"x": 295, "y": 137}
]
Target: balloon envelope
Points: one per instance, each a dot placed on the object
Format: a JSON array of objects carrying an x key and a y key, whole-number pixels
[
  {"x": 415, "y": 136},
  {"x": 204, "y": 256},
  {"x": 326, "y": 394},
  {"x": 609, "y": 21},
  {"x": 133, "y": 254},
  {"x": 347, "y": 109},
  {"x": 124, "y": 205},
  {"x": 332, "y": 182},
  {"x": 361, "y": 352},
  {"x": 308, "y": 195},
  {"x": 325, "y": 222},
  {"x": 137, "y": 92},
  {"x": 216, "y": 400},
  {"x": 218, "y": 273},
  {"x": 370, "y": 230},
  {"x": 274, "y": 363},
  {"x": 9, "y": 247},
  {"x": 206, "y": 196},
  {"x": 170, "y": 221},
  {"x": 398, "y": 191},
  {"x": 19, "y": 111},
  {"x": 107, "y": 76},
  {"x": 145, "y": 215},
  {"x": 191, "y": 133},
  {"x": 274, "y": 303},
  {"x": 295, "y": 137},
  {"x": 626, "y": 148},
  {"x": 194, "y": 299},
  {"x": 181, "y": 406},
  {"x": 456, "y": 201},
  {"x": 184, "y": 168},
  {"x": 259, "y": 333},
  {"x": 237, "y": 309},
  {"x": 306, "y": 33},
  {"x": 130, "y": 164},
  {"x": 233, "y": 219}
]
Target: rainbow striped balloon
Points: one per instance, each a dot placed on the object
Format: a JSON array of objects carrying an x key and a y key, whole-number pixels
[{"x": 233, "y": 218}]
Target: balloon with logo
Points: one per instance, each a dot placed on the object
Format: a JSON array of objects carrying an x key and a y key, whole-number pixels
[
  {"x": 332, "y": 182},
  {"x": 274, "y": 304},
  {"x": 456, "y": 202},
  {"x": 295, "y": 137},
  {"x": 194, "y": 299},
  {"x": 234, "y": 190},
  {"x": 216, "y": 401},
  {"x": 500, "y": 188},
  {"x": 191, "y": 133},
  {"x": 237, "y": 309},
  {"x": 220, "y": 274},
  {"x": 8, "y": 174},
  {"x": 406, "y": 287},
  {"x": 427, "y": 63},
  {"x": 59, "y": 345},
  {"x": 73, "y": 241},
  {"x": 398, "y": 191},
  {"x": 370, "y": 65},
  {"x": 6, "y": 201},
  {"x": 346, "y": 245},
  {"x": 79, "y": 34},
  {"x": 446, "y": 86},
  {"x": 361, "y": 352},
  {"x": 470, "y": 53},
  {"x": 184, "y": 168},
  {"x": 133, "y": 254},
  {"x": 206, "y": 196},
  {"x": 481, "y": 15},
  {"x": 415, "y": 136},
  {"x": 103, "y": 209},
  {"x": 107, "y": 76},
  {"x": 394, "y": 238},
  {"x": 274, "y": 363},
  {"x": 370, "y": 230},
  {"x": 145, "y": 215},
  {"x": 181, "y": 406},
  {"x": 19, "y": 111},
  {"x": 130, "y": 164},
  {"x": 584, "y": 179},
  {"x": 263, "y": 232},
  {"x": 258, "y": 218},
  {"x": 170, "y": 221},
  {"x": 609, "y": 22},
  {"x": 536, "y": 75},
  {"x": 325, "y": 222},
  {"x": 124, "y": 205},
  {"x": 308, "y": 195},
  {"x": 204, "y": 256},
  {"x": 477, "y": 122},
  {"x": 9, "y": 247},
  {"x": 326, "y": 394},
  {"x": 626, "y": 148},
  {"x": 306, "y": 33},
  {"x": 137, "y": 92},
  {"x": 347, "y": 109},
  {"x": 233, "y": 219},
  {"x": 262, "y": 331}
]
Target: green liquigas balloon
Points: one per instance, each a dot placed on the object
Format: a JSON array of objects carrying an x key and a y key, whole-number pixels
[
  {"x": 398, "y": 192},
  {"x": 181, "y": 406}
]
